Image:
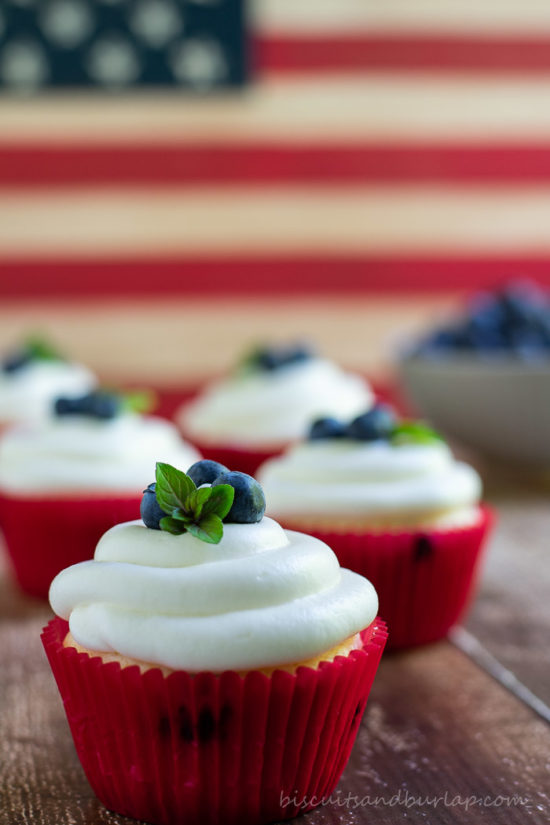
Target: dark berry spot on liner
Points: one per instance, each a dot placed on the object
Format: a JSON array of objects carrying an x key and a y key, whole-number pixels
[
  {"x": 206, "y": 726},
  {"x": 423, "y": 548},
  {"x": 185, "y": 724}
]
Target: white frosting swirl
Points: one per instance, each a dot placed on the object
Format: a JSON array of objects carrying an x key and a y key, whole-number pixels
[
  {"x": 79, "y": 453},
  {"x": 27, "y": 394},
  {"x": 273, "y": 407},
  {"x": 368, "y": 480},
  {"x": 262, "y": 597}
]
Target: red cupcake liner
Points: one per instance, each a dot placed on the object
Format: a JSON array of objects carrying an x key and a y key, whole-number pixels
[
  {"x": 209, "y": 749},
  {"x": 235, "y": 458},
  {"x": 424, "y": 578},
  {"x": 45, "y": 534}
]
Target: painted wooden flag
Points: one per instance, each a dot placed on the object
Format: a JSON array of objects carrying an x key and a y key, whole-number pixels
[{"x": 382, "y": 146}]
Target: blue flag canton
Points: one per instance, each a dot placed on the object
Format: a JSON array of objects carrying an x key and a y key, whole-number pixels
[{"x": 199, "y": 45}]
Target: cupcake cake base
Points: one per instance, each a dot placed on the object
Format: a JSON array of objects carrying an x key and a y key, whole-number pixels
[
  {"x": 425, "y": 578},
  {"x": 45, "y": 534},
  {"x": 227, "y": 749},
  {"x": 244, "y": 459}
]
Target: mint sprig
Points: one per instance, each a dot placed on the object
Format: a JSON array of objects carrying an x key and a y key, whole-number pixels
[
  {"x": 249, "y": 362},
  {"x": 199, "y": 511},
  {"x": 138, "y": 401},
  {"x": 38, "y": 349},
  {"x": 414, "y": 432}
]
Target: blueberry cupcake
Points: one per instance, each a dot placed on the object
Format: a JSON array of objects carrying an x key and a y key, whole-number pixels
[
  {"x": 395, "y": 506},
  {"x": 267, "y": 403},
  {"x": 32, "y": 377},
  {"x": 213, "y": 666},
  {"x": 68, "y": 478}
]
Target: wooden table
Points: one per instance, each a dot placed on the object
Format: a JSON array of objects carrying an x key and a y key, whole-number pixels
[{"x": 439, "y": 728}]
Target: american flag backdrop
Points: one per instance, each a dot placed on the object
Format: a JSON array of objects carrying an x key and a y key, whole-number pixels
[{"x": 379, "y": 144}]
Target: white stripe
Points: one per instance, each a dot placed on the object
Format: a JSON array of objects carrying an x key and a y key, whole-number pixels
[
  {"x": 381, "y": 220},
  {"x": 458, "y": 17},
  {"x": 360, "y": 108}
]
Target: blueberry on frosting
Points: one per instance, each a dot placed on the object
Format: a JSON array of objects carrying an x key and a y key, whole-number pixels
[
  {"x": 205, "y": 471},
  {"x": 15, "y": 361},
  {"x": 327, "y": 428},
  {"x": 269, "y": 359},
  {"x": 105, "y": 404},
  {"x": 176, "y": 504},
  {"x": 249, "y": 501},
  {"x": 150, "y": 510},
  {"x": 378, "y": 423},
  {"x": 34, "y": 349},
  {"x": 99, "y": 404}
]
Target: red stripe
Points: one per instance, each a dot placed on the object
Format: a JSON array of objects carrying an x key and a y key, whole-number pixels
[
  {"x": 250, "y": 277},
  {"x": 173, "y": 165},
  {"x": 351, "y": 52}
]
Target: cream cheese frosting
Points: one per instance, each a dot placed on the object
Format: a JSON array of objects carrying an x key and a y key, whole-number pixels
[
  {"x": 80, "y": 453},
  {"x": 262, "y": 597},
  {"x": 273, "y": 407},
  {"x": 28, "y": 393},
  {"x": 377, "y": 480}
]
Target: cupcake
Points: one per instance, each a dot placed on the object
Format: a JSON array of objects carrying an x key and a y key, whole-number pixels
[
  {"x": 68, "y": 478},
  {"x": 268, "y": 403},
  {"x": 32, "y": 377},
  {"x": 395, "y": 506},
  {"x": 213, "y": 666}
]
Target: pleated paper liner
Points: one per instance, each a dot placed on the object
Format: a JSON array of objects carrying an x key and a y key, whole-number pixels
[
  {"x": 210, "y": 749},
  {"x": 246, "y": 460},
  {"x": 44, "y": 534},
  {"x": 424, "y": 578}
]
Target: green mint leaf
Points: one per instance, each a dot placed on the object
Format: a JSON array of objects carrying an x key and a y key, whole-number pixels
[
  {"x": 182, "y": 515},
  {"x": 220, "y": 501},
  {"x": 40, "y": 350},
  {"x": 138, "y": 401},
  {"x": 196, "y": 500},
  {"x": 172, "y": 488},
  {"x": 172, "y": 525},
  {"x": 249, "y": 363},
  {"x": 414, "y": 432},
  {"x": 209, "y": 529}
]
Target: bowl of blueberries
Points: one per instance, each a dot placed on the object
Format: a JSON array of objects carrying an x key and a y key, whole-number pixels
[{"x": 484, "y": 377}]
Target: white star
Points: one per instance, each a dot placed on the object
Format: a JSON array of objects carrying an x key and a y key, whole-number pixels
[
  {"x": 113, "y": 61},
  {"x": 199, "y": 62},
  {"x": 156, "y": 22}
]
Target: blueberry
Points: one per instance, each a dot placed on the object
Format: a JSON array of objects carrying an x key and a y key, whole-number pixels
[
  {"x": 327, "y": 428},
  {"x": 373, "y": 425},
  {"x": 66, "y": 406},
  {"x": 515, "y": 319},
  {"x": 249, "y": 502},
  {"x": 268, "y": 360},
  {"x": 482, "y": 334},
  {"x": 15, "y": 361},
  {"x": 522, "y": 301},
  {"x": 150, "y": 510},
  {"x": 299, "y": 352},
  {"x": 102, "y": 405},
  {"x": 276, "y": 357},
  {"x": 441, "y": 340},
  {"x": 204, "y": 472}
]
